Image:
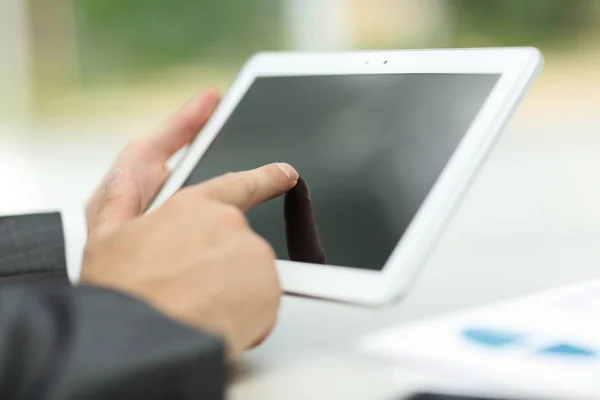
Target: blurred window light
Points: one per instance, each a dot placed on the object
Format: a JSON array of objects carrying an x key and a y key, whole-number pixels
[
  {"x": 19, "y": 183},
  {"x": 15, "y": 63},
  {"x": 318, "y": 24}
]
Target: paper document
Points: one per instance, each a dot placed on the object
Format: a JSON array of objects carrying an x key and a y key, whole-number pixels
[{"x": 549, "y": 340}]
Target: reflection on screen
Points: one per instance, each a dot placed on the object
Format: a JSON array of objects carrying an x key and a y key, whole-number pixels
[{"x": 369, "y": 148}]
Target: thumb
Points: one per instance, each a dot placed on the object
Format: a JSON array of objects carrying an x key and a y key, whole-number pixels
[{"x": 120, "y": 202}]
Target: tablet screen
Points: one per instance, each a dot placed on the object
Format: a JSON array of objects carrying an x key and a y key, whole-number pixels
[{"x": 369, "y": 147}]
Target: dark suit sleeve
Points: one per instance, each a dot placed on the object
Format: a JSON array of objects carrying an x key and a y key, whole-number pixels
[
  {"x": 63, "y": 342},
  {"x": 32, "y": 247}
]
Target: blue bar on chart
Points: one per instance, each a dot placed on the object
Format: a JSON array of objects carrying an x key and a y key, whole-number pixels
[
  {"x": 569, "y": 350},
  {"x": 492, "y": 337}
]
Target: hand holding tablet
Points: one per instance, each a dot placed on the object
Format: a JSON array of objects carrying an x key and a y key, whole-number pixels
[{"x": 388, "y": 141}]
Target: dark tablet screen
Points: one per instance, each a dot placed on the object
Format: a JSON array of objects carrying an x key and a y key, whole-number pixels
[{"x": 369, "y": 147}]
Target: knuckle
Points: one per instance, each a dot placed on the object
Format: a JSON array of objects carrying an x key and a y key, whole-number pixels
[
  {"x": 183, "y": 195},
  {"x": 261, "y": 248},
  {"x": 231, "y": 217},
  {"x": 246, "y": 181},
  {"x": 112, "y": 196},
  {"x": 175, "y": 202},
  {"x": 250, "y": 185},
  {"x": 95, "y": 241},
  {"x": 118, "y": 201},
  {"x": 190, "y": 194}
]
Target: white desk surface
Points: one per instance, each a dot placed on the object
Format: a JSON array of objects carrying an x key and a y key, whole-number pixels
[
  {"x": 531, "y": 221},
  {"x": 295, "y": 359}
]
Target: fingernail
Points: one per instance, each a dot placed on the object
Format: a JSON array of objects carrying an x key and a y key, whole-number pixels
[
  {"x": 289, "y": 171},
  {"x": 113, "y": 178}
]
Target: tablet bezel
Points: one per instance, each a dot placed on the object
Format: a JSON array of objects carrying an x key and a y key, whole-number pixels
[{"x": 516, "y": 68}]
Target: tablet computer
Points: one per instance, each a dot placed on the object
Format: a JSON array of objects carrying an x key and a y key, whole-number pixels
[{"x": 388, "y": 142}]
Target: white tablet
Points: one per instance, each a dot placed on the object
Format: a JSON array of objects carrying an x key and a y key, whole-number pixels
[{"x": 388, "y": 142}]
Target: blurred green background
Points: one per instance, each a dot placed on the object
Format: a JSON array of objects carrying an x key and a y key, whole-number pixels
[
  {"x": 549, "y": 24},
  {"x": 127, "y": 37},
  {"x": 163, "y": 33},
  {"x": 80, "y": 56}
]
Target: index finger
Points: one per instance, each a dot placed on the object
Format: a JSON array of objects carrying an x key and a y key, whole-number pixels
[{"x": 247, "y": 189}]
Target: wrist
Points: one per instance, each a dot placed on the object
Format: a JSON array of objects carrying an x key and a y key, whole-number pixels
[{"x": 202, "y": 317}]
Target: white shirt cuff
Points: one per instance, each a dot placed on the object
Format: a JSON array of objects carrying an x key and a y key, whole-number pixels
[{"x": 75, "y": 233}]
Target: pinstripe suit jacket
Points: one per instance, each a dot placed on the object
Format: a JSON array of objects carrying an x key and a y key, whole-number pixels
[
  {"x": 65, "y": 342},
  {"x": 32, "y": 247}
]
